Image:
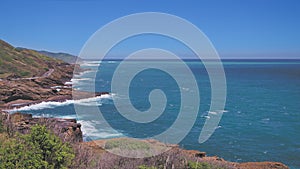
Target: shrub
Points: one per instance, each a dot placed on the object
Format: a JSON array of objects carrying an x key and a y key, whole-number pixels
[
  {"x": 38, "y": 149},
  {"x": 16, "y": 154},
  {"x": 56, "y": 153},
  {"x": 202, "y": 165}
]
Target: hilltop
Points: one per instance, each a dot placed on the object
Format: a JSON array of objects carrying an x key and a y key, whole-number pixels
[
  {"x": 22, "y": 63},
  {"x": 27, "y": 76},
  {"x": 61, "y": 56}
]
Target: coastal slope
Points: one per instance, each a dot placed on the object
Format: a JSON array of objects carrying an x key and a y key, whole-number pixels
[
  {"x": 22, "y": 63},
  {"x": 27, "y": 76},
  {"x": 61, "y": 56}
]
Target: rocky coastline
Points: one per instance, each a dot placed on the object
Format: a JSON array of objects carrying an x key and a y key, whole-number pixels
[
  {"x": 16, "y": 93},
  {"x": 70, "y": 131},
  {"x": 19, "y": 92}
]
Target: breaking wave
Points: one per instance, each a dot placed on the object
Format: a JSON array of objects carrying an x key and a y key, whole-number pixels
[
  {"x": 91, "y": 131},
  {"x": 95, "y": 101}
]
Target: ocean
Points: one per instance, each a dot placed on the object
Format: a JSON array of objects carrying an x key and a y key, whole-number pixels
[{"x": 261, "y": 119}]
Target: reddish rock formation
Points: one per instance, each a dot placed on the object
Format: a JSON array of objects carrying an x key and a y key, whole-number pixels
[
  {"x": 70, "y": 131},
  {"x": 67, "y": 129},
  {"x": 262, "y": 165}
]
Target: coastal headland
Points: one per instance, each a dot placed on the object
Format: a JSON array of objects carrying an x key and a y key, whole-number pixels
[{"x": 23, "y": 84}]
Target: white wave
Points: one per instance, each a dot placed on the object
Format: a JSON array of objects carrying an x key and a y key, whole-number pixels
[
  {"x": 212, "y": 112},
  {"x": 69, "y": 83},
  {"x": 185, "y": 89},
  {"x": 94, "y": 101},
  {"x": 91, "y": 63},
  {"x": 109, "y": 135},
  {"x": 86, "y": 72},
  {"x": 68, "y": 116},
  {"x": 56, "y": 87},
  {"x": 217, "y": 112},
  {"x": 89, "y": 129},
  {"x": 94, "y": 61},
  {"x": 80, "y": 79},
  {"x": 207, "y": 117},
  {"x": 42, "y": 105},
  {"x": 56, "y": 116}
]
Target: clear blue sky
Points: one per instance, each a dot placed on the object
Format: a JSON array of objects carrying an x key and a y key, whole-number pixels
[{"x": 237, "y": 28}]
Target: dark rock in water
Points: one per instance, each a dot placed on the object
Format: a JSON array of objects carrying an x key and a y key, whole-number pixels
[
  {"x": 195, "y": 153},
  {"x": 67, "y": 129}
]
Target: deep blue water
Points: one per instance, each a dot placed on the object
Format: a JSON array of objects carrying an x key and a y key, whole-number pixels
[{"x": 261, "y": 121}]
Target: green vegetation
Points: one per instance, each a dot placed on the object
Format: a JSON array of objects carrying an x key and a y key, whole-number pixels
[
  {"x": 201, "y": 165},
  {"x": 128, "y": 144},
  {"x": 20, "y": 62},
  {"x": 191, "y": 165},
  {"x": 61, "y": 56},
  {"x": 38, "y": 149}
]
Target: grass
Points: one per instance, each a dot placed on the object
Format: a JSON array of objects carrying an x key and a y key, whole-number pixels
[
  {"x": 128, "y": 144},
  {"x": 23, "y": 62},
  {"x": 134, "y": 148}
]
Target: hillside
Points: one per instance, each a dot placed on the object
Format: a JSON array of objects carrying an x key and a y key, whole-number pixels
[
  {"x": 62, "y": 56},
  {"x": 21, "y": 63},
  {"x": 27, "y": 76}
]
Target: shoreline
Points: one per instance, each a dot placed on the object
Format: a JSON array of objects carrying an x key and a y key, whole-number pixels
[
  {"x": 73, "y": 132},
  {"x": 17, "y": 104},
  {"x": 50, "y": 94},
  {"x": 70, "y": 131}
]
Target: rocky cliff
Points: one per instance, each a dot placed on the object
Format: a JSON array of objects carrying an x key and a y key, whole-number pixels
[
  {"x": 27, "y": 76},
  {"x": 67, "y": 129},
  {"x": 70, "y": 131}
]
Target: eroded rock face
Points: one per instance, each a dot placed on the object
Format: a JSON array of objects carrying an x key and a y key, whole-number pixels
[
  {"x": 67, "y": 129},
  {"x": 262, "y": 165},
  {"x": 36, "y": 89},
  {"x": 70, "y": 131}
]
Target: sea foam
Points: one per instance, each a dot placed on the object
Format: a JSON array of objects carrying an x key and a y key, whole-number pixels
[{"x": 94, "y": 101}]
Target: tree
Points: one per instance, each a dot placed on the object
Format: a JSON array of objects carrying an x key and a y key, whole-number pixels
[
  {"x": 16, "y": 154},
  {"x": 56, "y": 153},
  {"x": 38, "y": 149}
]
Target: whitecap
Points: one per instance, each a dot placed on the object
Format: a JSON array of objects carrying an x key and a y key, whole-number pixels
[
  {"x": 212, "y": 112},
  {"x": 80, "y": 79},
  {"x": 56, "y": 87},
  {"x": 185, "y": 89},
  {"x": 217, "y": 112},
  {"x": 86, "y": 72},
  {"x": 42, "y": 105},
  {"x": 69, "y": 83},
  {"x": 94, "y": 101},
  {"x": 89, "y": 129},
  {"x": 91, "y": 63},
  {"x": 56, "y": 116},
  {"x": 208, "y": 117}
]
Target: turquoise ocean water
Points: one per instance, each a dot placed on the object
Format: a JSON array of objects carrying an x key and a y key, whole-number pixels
[{"x": 261, "y": 121}]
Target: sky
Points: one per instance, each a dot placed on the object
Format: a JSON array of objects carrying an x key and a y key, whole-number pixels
[{"x": 236, "y": 28}]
